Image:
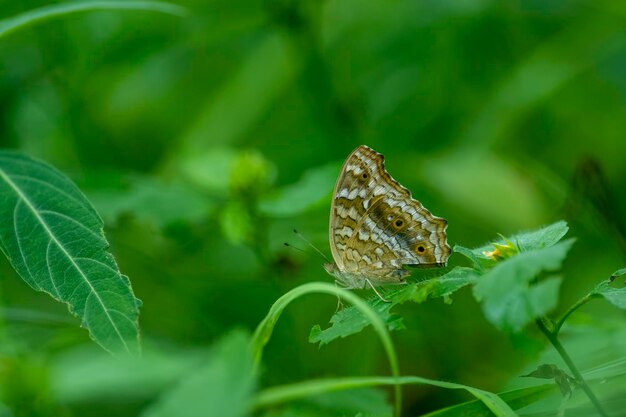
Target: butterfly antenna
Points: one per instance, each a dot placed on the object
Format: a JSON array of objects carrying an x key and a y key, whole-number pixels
[
  {"x": 294, "y": 247},
  {"x": 311, "y": 245}
]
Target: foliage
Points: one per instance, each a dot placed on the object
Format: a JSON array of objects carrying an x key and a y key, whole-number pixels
[
  {"x": 509, "y": 292},
  {"x": 350, "y": 320},
  {"x": 197, "y": 135}
]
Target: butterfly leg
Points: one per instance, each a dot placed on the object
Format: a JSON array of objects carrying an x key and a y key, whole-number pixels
[
  {"x": 339, "y": 303},
  {"x": 376, "y": 291}
]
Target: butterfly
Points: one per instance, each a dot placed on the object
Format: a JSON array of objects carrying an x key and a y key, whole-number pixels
[{"x": 376, "y": 227}]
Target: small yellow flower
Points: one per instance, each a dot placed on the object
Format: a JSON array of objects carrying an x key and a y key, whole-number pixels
[{"x": 502, "y": 251}]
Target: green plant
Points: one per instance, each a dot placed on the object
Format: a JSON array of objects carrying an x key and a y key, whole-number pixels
[
  {"x": 188, "y": 129},
  {"x": 514, "y": 284},
  {"x": 54, "y": 241}
]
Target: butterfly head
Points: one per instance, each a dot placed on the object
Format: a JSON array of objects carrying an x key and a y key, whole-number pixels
[
  {"x": 345, "y": 279},
  {"x": 331, "y": 269}
]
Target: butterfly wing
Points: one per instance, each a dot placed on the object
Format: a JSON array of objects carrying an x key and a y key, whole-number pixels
[
  {"x": 347, "y": 207},
  {"x": 375, "y": 225}
]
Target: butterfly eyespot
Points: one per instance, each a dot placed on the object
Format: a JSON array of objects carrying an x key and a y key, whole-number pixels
[
  {"x": 364, "y": 175},
  {"x": 399, "y": 223},
  {"x": 420, "y": 249}
]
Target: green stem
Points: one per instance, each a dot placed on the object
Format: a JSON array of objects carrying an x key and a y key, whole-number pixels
[
  {"x": 579, "y": 303},
  {"x": 281, "y": 394},
  {"x": 264, "y": 330},
  {"x": 552, "y": 335},
  {"x": 42, "y": 14}
]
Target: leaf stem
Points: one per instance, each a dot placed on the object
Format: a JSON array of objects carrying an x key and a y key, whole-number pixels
[
  {"x": 576, "y": 306},
  {"x": 552, "y": 335},
  {"x": 264, "y": 330}
]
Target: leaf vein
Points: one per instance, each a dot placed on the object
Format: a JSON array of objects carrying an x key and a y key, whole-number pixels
[
  {"x": 54, "y": 188},
  {"x": 54, "y": 285},
  {"x": 119, "y": 275},
  {"x": 19, "y": 244},
  {"x": 66, "y": 217}
]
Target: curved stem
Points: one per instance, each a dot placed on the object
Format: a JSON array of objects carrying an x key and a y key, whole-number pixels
[
  {"x": 264, "y": 330},
  {"x": 552, "y": 336},
  {"x": 579, "y": 303},
  {"x": 52, "y": 11},
  {"x": 280, "y": 394}
]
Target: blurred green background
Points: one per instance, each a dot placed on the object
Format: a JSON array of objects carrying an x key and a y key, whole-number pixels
[{"x": 204, "y": 140}]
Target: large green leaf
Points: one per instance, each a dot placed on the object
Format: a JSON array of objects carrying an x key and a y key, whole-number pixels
[{"x": 53, "y": 238}]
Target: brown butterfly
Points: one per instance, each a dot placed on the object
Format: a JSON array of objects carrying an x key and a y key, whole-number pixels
[{"x": 376, "y": 227}]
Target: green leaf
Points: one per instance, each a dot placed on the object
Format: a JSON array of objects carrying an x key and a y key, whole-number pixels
[
  {"x": 561, "y": 378},
  {"x": 469, "y": 254},
  {"x": 516, "y": 399},
  {"x": 350, "y": 321},
  {"x": 510, "y": 300},
  {"x": 221, "y": 388},
  {"x": 53, "y": 238},
  {"x": 45, "y": 13},
  {"x": 312, "y": 189},
  {"x": 615, "y": 296},
  {"x": 442, "y": 286},
  {"x": 536, "y": 239},
  {"x": 542, "y": 238}
]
